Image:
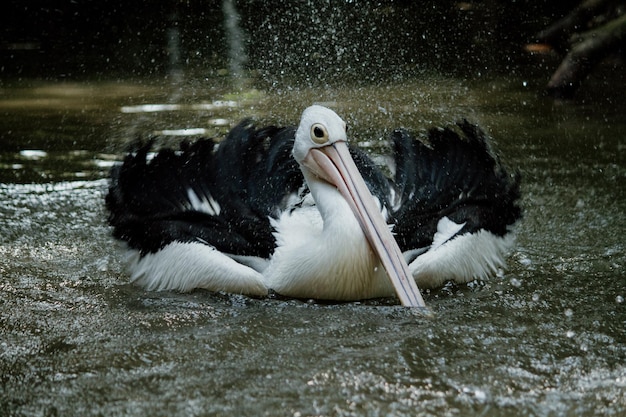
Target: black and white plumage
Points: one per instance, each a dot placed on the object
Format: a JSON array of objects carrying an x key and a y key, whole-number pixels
[{"x": 259, "y": 212}]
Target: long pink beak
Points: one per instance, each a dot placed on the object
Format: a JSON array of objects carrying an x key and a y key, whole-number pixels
[{"x": 338, "y": 168}]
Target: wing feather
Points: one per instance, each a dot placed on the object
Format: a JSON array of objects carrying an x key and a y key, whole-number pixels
[{"x": 221, "y": 195}]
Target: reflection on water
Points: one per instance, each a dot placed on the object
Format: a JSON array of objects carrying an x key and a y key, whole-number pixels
[
  {"x": 36, "y": 165},
  {"x": 546, "y": 338}
]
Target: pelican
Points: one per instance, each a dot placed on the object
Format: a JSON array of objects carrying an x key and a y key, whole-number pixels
[{"x": 301, "y": 213}]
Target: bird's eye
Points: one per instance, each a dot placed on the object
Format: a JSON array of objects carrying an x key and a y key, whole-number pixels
[{"x": 319, "y": 134}]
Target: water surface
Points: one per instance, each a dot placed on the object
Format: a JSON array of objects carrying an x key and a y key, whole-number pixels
[{"x": 546, "y": 337}]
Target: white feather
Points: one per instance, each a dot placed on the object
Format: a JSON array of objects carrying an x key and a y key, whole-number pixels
[
  {"x": 185, "y": 266},
  {"x": 324, "y": 259},
  {"x": 446, "y": 228},
  {"x": 461, "y": 259},
  {"x": 206, "y": 203}
]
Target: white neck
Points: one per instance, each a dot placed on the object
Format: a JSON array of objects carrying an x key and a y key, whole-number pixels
[{"x": 322, "y": 251}]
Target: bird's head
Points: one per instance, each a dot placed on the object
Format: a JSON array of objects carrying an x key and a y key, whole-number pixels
[{"x": 319, "y": 127}]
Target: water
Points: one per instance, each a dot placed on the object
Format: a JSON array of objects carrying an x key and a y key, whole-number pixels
[{"x": 547, "y": 337}]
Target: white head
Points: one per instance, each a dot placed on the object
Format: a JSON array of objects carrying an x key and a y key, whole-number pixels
[{"x": 319, "y": 127}]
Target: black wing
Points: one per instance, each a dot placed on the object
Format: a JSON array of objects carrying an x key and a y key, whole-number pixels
[
  {"x": 249, "y": 176},
  {"x": 450, "y": 174},
  {"x": 241, "y": 183}
]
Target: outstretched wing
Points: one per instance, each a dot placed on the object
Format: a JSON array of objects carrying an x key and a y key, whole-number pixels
[
  {"x": 453, "y": 173},
  {"x": 220, "y": 195}
]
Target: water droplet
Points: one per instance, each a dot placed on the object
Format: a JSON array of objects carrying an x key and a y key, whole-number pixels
[
  {"x": 568, "y": 313},
  {"x": 570, "y": 334},
  {"x": 480, "y": 395},
  {"x": 619, "y": 299},
  {"x": 516, "y": 282}
]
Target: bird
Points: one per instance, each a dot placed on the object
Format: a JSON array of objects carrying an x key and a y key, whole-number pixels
[{"x": 300, "y": 212}]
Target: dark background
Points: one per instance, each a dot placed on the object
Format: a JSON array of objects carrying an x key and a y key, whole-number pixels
[{"x": 324, "y": 41}]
